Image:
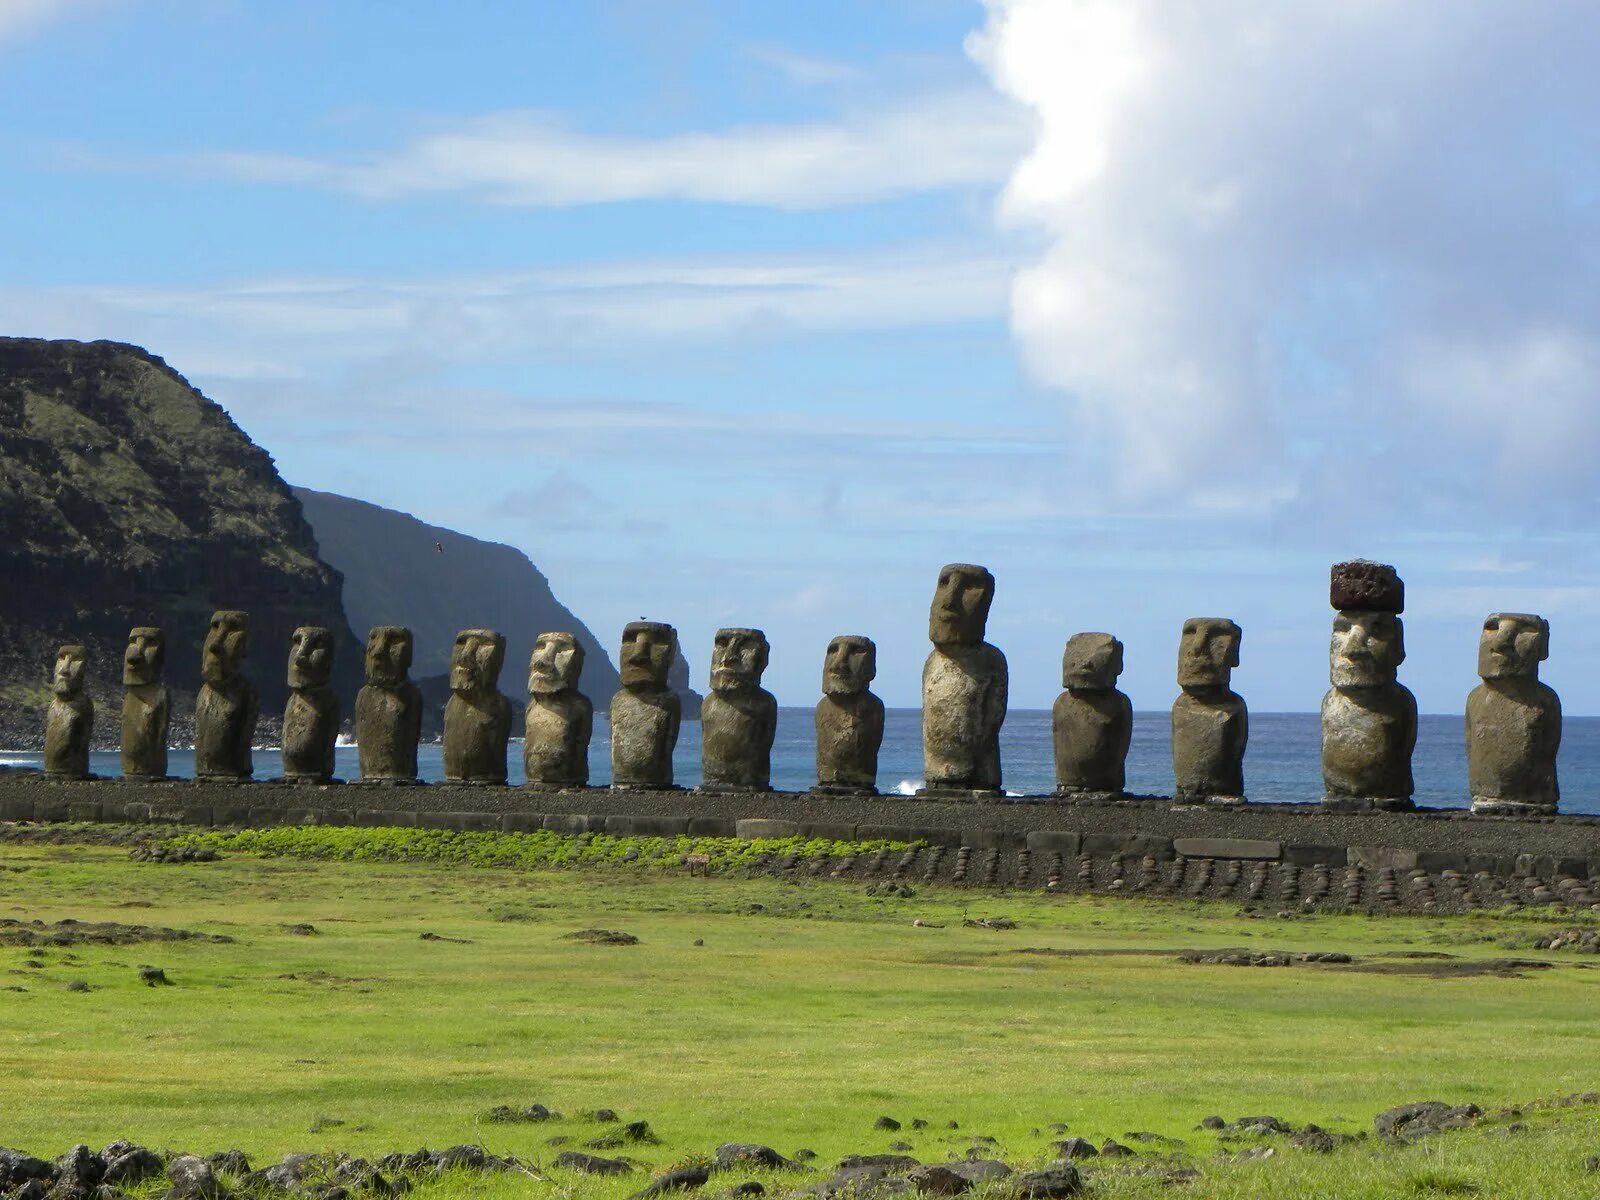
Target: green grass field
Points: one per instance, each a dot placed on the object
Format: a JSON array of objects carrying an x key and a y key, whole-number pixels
[{"x": 752, "y": 1009}]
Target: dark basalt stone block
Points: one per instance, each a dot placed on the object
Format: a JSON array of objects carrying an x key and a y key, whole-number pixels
[{"x": 1367, "y": 586}]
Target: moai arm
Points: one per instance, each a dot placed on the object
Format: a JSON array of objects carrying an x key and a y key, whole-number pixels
[
  {"x": 247, "y": 728},
  {"x": 1410, "y": 738},
  {"x": 995, "y": 700},
  {"x": 1124, "y": 726},
  {"x": 674, "y": 722}
]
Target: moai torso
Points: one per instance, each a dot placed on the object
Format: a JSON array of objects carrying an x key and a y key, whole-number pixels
[
  {"x": 1513, "y": 720},
  {"x": 1368, "y": 734},
  {"x": 555, "y": 748},
  {"x": 388, "y": 708},
  {"x": 644, "y": 732},
  {"x": 739, "y": 718},
  {"x": 146, "y": 705},
  {"x": 226, "y": 708},
  {"x": 477, "y": 718},
  {"x": 310, "y": 732},
  {"x": 1209, "y": 733},
  {"x": 1091, "y": 721},
  {"x": 849, "y": 736}
]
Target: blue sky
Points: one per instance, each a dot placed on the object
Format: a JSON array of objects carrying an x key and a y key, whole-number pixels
[{"x": 755, "y": 314}]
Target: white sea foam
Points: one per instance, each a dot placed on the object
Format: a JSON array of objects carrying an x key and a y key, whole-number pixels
[{"x": 908, "y": 787}]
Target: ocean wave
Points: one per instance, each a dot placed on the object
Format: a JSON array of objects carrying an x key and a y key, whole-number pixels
[{"x": 908, "y": 787}]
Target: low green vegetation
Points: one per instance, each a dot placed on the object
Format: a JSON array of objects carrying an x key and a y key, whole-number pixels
[{"x": 375, "y": 990}]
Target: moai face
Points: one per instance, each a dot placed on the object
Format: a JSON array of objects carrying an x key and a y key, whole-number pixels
[
  {"x": 475, "y": 661},
  {"x": 738, "y": 656},
  {"x": 850, "y": 666},
  {"x": 960, "y": 608},
  {"x": 555, "y": 665},
  {"x": 1367, "y": 649},
  {"x": 648, "y": 648},
  {"x": 1208, "y": 652},
  {"x": 310, "y": 657},
  {"x": 145, "y": 656},
  {"x": 66, "y": 680},
  {"x": 227, "y": 641},
  {"x": 1091, "y": 662},
  {"x": 1513, "y": 645},
  {"x": 389, "y": 649}
]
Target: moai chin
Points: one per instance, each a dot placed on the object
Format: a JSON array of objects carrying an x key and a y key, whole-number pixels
[
  {"x": 849, "y": 720},
  {"x": 388, "y": 709},
  {"x": 645, "y": 711},
  {"x": 311, "y": 715},
  {"x": 477, "y": 718},
  {"x": 1210, "y": 723},
  {"x": 964, "y": 684},
  {"x": 560, "y": 718},
  {"x": 739, "y": 717},
  {"x": 1369, "y": 721},
  {"x": 1091, "y": 722},
  {"x": 1513, "y": 720},
  {"x": 146, "y": 705},
  {"x": 69, "y": 721},
  {"x": 225, "y": 711}
]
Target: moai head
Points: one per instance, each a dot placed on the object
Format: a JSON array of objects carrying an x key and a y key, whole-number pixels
[
  {"x": 555, "y": 665},
  {"x": 1208, "y": 652},
  {"x": 1367, "y": 649},
  {"x": 850, "y": 666},
  {"x": 310, "y": 657},
  {"x": 1513, "y": 645},
  {"x": 389, "y": 649},
  {"x": 960, "y": 605},
  {"x": 66, "y": 681},
  {"x": 475, "y": 661},
  {"x": 145, "y": 656},
  {"x": 648, "y": 651},
  {"x": 227, "y": 641},
  {"x": 1091, "y": 662},
  {"x": 738, "y": 656}
]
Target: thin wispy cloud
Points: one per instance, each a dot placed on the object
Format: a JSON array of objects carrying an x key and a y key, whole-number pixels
[{"x": 21, "y": 17}]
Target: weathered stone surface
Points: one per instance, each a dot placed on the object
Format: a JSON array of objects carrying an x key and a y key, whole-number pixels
[
  {"x": 764, "y": 828},
  {"x": 1250, "y": 848},
  {"x": 226, "y": 708},
  {"x": 739, "y": 717},
  {"x": 645, "y": 712},
  {"x": 311, "y": 716},
  {"x": 1513, "y": 720},
  {"x": 1091, "y": 722},
  {"x": 388, "y": 708},
  {"x": 69, "y": 721},
  {"x": 1051, "y": 842},
  {"x": 1369, "y": 721},
  {"x": 477, "y": 718},
  {"x": 1057, "y": 1180},
  {"x": 559, "y": 718},
  {"x": 849, "y": 719},
  {"x": 964, "y": 688},
  {"x": 146, "y": 705},
  {"x": 1210, "y": 724},
  {"x": 1367, "y": 586}
]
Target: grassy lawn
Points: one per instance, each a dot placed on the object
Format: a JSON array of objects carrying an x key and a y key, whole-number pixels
[{"x": 752, "y": 1009}]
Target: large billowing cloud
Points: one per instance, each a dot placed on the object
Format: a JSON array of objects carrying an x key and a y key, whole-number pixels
[{"x": 1316, "y": 251}]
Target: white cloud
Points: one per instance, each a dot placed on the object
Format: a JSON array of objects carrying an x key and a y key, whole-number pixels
[
  {"x": 20, "y": 17},
  {"x": 1297, "y": 246},
  {"x": 956, "y": 139},
  {"x": 804, "y": 70}
]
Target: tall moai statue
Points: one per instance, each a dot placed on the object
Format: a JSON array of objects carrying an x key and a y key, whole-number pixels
[
  {"x": 225, "y": 711},
  {"x": 1091, "y": 722},
  {"x": 477, "y": 718},
  {"x": 1369, "y": 720},
  {"x": 849, "y": 720},
  {"x": 311, "y": 715},
  {"x": 388, "y": 709},
  {"x": 69, "y": 721},
  {"x": 146, "y": 705},
  {"x": 645, "y": 711},
  {"x": 559, "y": 718},
  {"x": 739, "y": 717},
  {"x": 964, "y": 683},
  {"x": 1210, "y": 724},
  {"x": 1513, "y": 720}
]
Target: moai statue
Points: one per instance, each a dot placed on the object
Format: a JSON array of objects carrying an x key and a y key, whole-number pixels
[
  {"x": 388, "y": 709},
  {"x": 146, "y": 705},
  {"x": 1092, "y": 721},
  {"x": 555, "y": 747},
  {"x": 311, "y": 716},
  {"x": 849, "y": 720},
  {"x": 477, "y": 718},
  {"x": 69, "y": 722},
  {"x": 1369, "y": 721},
  {"x": 739, "y": 717},
  {"x": 225, "y": 711},
  {"x": 645, "y": 712},
  {"x": 1513, "y": 720},
  {"x": 1209, "y": 721},
  {"x": 964, "y": 685}
]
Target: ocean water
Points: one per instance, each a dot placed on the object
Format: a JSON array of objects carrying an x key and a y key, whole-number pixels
[{"x": 1282, "y": 763}]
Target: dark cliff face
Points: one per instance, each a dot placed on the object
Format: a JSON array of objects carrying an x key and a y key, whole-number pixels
[
  {"x": 128, "y": 498},
  {"x": 400, "y": 571}
]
